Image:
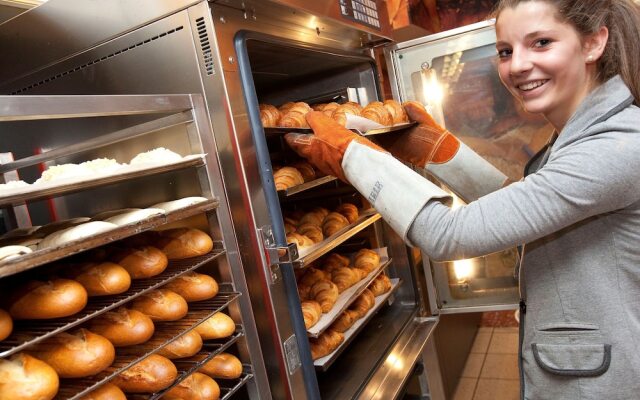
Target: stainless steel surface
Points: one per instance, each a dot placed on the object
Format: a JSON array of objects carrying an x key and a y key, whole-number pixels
[
  {"x": 306, "y": 186},
  {"x": 50, "y": 254},
  {"x": 32, "y": 332},
  {"x": 431, "y": 379}
]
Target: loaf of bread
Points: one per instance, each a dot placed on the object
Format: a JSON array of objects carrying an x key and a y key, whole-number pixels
[
  {"x": 223, "y": 366},
  {"x": 377, "y": 112},
  {"x": 269, "y": 115},
  {"x": 77, "y": 354},
  {"x": 6, "y": 324},
  {"x": 344, "y": 278},
  {"x": 324, "y": 292},
  {"x": 345, "y": 321},
  {"x": 196, "y": 386},
  {"x": 150, "y": 375},
  {"x": 340, "y": 113},
  {"x": 101, "y": 279},
  {"x": 397, "y": 111},
  {"x": 325, "y": 344},
  {"x": 161, "y": 305},
  {"x": 311, "y": 312},
  {"x": 294, "y": 117},
  {"x": 363, "y": 303},
  {"x": 193, "y": 286},
  {"x": 185, "y": 346},
  {"x": 108, "y": 391},
  {"x": 218, "y": 326},
  {"x": 333, "y": 261},
  {"x": 350, "y": 211},
  {"x": 287, "y": 177},
  {"x": 306, "y": 170},
  {"x": 23, "y": 377},
  {"x": 333, "y": 223},
  {"x": 141, "y": 262},
  {"x": 181, "y": 243},
  {"x": 45, "y": 300},
  {"x": 380, "y": 285},
  {"x": 367, "y": 260},
  {"x": 123, "y": 327}
]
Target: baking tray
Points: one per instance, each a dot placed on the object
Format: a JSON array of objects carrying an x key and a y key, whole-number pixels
[
  {"x": 306, "y": 186},
  {"x": 348, "y": 296},
  {"x": 47, "y": 255},
  {"x": 274, "y": 131},
  {"x": 323, "y": 363},
  {"x": 45, "y": 190},
  {"x": 312, "y": 253}
]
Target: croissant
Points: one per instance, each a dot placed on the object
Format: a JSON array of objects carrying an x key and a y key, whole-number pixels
[
  {"x": 286, "y": 107},
  {"x": 345, "y": 321},
  {"x": 397, "y": 111},
  {"x": 344, "y": 278},
  {"x": 312, "y": 218},
  {"x": 323, "y": 212},
  {"x": 340, "y": 113},
  {"x": 325, "y": 344},
  {"x": 289, "y": 227},
  {"x": 311, "y": 311},
  {"x": 301, "y": 241},
  {"x": 312, "y": 231},
  {"x": 360, "y": 273},
  {"x": 294, "y": 116},
  {"x": 306, "y": 170},
  {"x": 287, "y": 177},
  {"x": 333, "y": 261},
  {"x": 311, "y": 276},
  {"x": 380, "y": 285},
  {"x": 304, "y": 292},
  {"x": 324, "y": 292},
  {"x": 269, "y": 115},
  {"x": 349, "y": 210},
  {"x": 333, "y": 223},
  {"x": 328, "y": 109},
  {"x": 318, "y": 106},
  {"x": 367, "y": 260},
  {"x": 377, "y": 112},
  {"x": 363, "y": 303}
]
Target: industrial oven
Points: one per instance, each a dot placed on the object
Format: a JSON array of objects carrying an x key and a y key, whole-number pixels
[{"x": 237, "y": 54}]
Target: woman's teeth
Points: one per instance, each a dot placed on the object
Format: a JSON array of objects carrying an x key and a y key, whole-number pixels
[{"x": 531, "y": 85}]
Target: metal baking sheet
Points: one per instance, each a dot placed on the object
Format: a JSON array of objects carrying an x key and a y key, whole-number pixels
[
  {"x": 274, "y": 131},
  {"x": 323, "y": 363},
  {"x": 312, "y": 253},
  {"x": 33, "y": 192},
  {"x": 348, "y": 296},
  {"x": 306, "y": 186},
  {"x": 47, "y": 255}
]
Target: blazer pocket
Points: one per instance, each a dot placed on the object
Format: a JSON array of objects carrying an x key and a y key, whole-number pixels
[{"x": 578, "y": 360}]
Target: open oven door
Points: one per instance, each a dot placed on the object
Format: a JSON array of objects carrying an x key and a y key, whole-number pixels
[{"x": 454, "y": 74}]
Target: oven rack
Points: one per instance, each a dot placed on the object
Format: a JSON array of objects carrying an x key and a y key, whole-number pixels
[
  {"x": 346, "y": 298},
  {"x": 323, "y": 363},
  {"x": 47, "y": 255},
  {"x": 277, "y": 131},
  {"x": 27, "y": 333},
  {"x": 312, "y": 253},
  {"x": 306, "y": 186},
  {"x": 188, "y": 366},
  {"x": 166, "y": 332}
]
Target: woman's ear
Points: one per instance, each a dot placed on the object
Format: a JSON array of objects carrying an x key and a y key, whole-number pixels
[{"x": 595, "y": 44}]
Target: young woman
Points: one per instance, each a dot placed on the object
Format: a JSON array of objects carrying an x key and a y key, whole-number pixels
[{"x": 578, "y": 209}]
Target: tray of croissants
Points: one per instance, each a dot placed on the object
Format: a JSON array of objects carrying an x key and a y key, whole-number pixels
[{"x": 375, "y": 118}]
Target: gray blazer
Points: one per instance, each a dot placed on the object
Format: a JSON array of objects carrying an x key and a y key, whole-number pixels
[{"x": 579, "y": 213}]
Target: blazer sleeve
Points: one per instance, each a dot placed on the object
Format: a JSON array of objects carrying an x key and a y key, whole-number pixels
[{"x": 596, "y": 175}]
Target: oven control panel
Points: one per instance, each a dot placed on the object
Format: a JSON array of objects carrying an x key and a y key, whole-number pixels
[{"x": 362, "y": 11}]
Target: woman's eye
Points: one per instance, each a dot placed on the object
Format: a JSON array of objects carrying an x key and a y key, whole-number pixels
[
  {"x": 504, "y": 53},
  {"x": 542, "y": 43}
]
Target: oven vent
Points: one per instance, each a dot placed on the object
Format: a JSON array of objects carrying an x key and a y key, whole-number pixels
[
  {"x": 96, "y": 61},
  {"x": 205, "y": 46}
]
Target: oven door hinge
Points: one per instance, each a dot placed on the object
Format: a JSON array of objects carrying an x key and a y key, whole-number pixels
[{"x": 275, "y": 255}]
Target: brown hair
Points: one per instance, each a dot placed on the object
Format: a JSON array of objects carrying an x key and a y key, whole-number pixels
[{"x": 622, "y": 17}]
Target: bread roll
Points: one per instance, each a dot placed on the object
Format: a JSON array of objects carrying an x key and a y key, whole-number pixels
[
  {"x": 6, "y": 324},
  {"x": 150, "y": 375},
  {"x": 123, "y": 327},
  {"x": 287, "y": 177},
  {"x": 101, "y": 279},
  {"x": 26, "y": 378},
  {"x": 223, "y": 366},
  {"x": 269, "y": 115},
  {"x": 76, "y": 355},
  {"x": 185, "y": 346},
  {"x": 108, "y": 391},
  {"x": 180, "y": 243},
  {"x": 161, "y": 305},
  {"x": 196, "y": 386},
  {"x": 193, "y": 286},
  {"x": 218, "y": 326},
  {"x": 141, "y": 262},
  {"x": 44, "y": 300}
]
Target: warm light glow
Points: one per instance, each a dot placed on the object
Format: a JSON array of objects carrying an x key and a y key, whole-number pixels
[
  {"x": 312, "y": 22},
  {"x": 395, "y": 361},
  {"x": 432, "y": 91},
  {"x": 463, "y": 269}
]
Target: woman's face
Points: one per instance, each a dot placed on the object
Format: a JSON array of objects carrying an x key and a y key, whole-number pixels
[{"x": 541, "y": 61}]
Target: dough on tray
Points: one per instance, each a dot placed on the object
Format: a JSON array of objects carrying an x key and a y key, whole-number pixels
[
  {"x": 159, "y": 155},
  {"x": 173, "y": 205}
]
